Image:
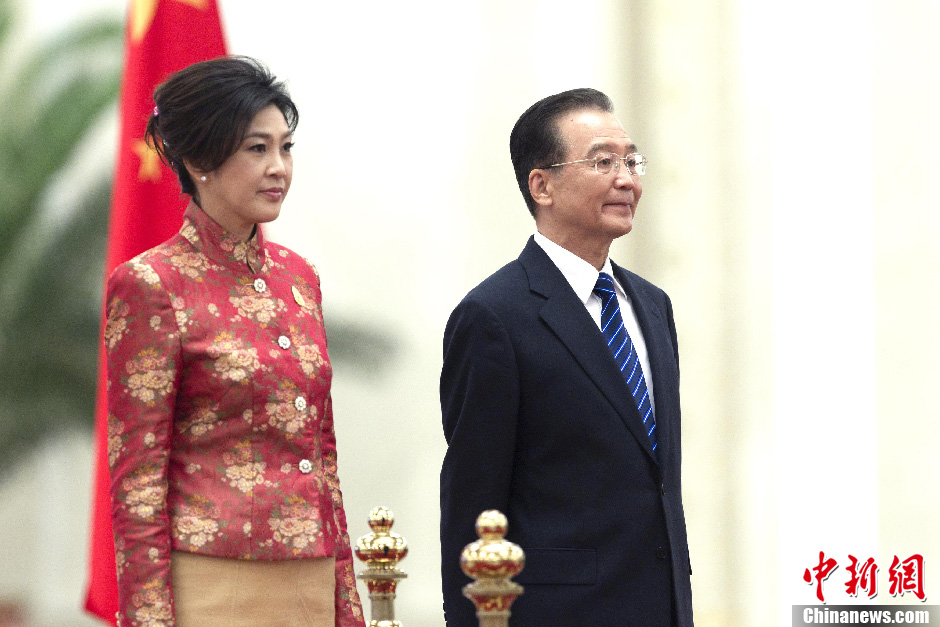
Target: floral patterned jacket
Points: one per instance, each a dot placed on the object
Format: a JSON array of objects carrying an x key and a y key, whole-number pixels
[{"x": 220, "y": 421}]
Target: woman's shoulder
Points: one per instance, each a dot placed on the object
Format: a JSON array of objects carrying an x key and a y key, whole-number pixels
[
  {"x": 145, "y": 267},
  {"x": 290, "y": 260}
]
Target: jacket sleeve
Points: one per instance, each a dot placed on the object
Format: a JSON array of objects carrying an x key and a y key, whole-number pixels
[
  {"x": 142, "y": 345},
  {"x": 348, "y": 606},
  {"x": 479, "y": 407}
]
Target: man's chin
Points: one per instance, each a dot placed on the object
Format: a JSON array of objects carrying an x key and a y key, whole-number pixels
[{"x": 622, "y": 228}]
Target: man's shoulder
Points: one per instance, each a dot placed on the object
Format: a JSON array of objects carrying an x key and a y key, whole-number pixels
[
  {"x": 501, "y": 285},
  {"x": 513, "y": 279}
]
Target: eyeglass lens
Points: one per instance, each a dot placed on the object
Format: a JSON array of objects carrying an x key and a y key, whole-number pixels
[{"x": 604, "y": 163}]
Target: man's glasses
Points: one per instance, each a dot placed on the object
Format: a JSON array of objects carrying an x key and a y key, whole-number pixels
[{"x": 605, "y": 162}]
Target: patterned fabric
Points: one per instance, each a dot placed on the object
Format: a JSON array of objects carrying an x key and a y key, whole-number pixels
[
  {"x": 220, "y": 421},
  {"x": 625, "y": 355}
]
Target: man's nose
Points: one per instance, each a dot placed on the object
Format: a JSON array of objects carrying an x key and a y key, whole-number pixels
[{"x": 623, "y": 178}]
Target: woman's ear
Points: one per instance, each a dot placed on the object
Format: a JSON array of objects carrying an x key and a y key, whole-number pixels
[{"x": 194, "y": 174}]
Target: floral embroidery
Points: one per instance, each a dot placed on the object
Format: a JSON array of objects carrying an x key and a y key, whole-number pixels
[
  {"x": 232, "y": 359},
  {"x": 256, "y": 306},
  {"x": 196, "y": 522},
  {"x": 149, "y": 376},
  {"x": 115, "y": 441},
  {"x": 312, "y": 267},
  {"x": 145, "y": 492},
  {"x": 311, "y": 360},
  {"x": 145, "y": 272},
  {"x": 152, "y": 606},
  {"x": 117, "y": 322},
  {"x": 192, "y": 265},
  {"x": 189, "y": 232},
  {"x": 120, "y": 556},
  {"x": 200, "y": 420},
  {"x": 241, "y": 470},
  {"x": 346, "y": 581},
  {"x": 246, "y": 252},
  {"x": 297, "y": 524},
  {"x": 282, "y": 411}
]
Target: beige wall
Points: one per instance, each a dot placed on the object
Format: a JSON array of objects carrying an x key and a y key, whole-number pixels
[{"x": 787, "y": 213}]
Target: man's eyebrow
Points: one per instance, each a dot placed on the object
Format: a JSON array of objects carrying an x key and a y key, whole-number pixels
[{"x": 609, "y": 147}]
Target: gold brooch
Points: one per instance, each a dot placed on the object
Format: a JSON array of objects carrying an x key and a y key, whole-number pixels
[{"x": 297, "y": 296}]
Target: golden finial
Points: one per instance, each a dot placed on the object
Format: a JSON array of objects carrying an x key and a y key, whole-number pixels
[
  {"x": 381, "y": 550},
  {"x": 491, "y": 561}
]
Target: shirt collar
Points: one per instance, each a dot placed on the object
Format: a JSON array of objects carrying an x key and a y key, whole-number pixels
[
  {"x": 211, "y": 239},
  {"x": 581, "y": 275}
]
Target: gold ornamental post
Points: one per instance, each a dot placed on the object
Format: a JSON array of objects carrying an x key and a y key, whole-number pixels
[
  {"x": 381, "y": 550},
  {"x": 491, "y": 561}
]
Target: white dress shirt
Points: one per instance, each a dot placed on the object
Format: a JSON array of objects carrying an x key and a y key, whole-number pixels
[{"x": 582, "y": 277}]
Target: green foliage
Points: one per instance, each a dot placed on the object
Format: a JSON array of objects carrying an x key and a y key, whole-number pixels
[{"x": 51, "y": 257}]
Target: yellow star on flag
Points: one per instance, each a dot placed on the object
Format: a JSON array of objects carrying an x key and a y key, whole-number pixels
[
  {"x": 150, "y": 169},
  {"x": 142, "y": 12}
]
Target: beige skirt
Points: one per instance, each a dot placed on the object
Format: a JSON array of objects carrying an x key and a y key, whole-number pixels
[{"x": 223, "y": 592}]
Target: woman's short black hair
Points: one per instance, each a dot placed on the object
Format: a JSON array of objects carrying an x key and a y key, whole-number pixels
[
  {"x": 535, "y": 141},
  {"x": 203, "y": 112}
]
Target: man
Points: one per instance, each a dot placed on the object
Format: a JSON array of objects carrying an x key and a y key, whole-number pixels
[{"x": 560, "y": 395}]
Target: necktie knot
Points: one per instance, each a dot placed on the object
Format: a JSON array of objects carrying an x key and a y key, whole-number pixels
[{"x": 604, "y": 288}]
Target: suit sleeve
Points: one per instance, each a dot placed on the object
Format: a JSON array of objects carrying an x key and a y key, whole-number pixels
[
  {"x": 479, "y": 405},
  {"x": 143, "y": 357}
]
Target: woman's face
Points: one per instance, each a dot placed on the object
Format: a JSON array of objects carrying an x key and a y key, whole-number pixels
[{"x": 249, "y": 187}]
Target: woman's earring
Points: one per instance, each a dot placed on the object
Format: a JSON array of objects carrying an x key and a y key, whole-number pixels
[{"x": 203, "y": 178}]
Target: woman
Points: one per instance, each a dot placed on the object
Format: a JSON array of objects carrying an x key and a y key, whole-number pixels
[{"x": 225, "y": 497}]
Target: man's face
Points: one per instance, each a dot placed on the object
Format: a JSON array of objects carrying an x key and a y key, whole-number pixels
[{"x": 588, "y": 209}]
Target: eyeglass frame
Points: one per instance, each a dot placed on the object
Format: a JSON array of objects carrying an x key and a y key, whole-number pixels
[{"x": 614, "y": 168}]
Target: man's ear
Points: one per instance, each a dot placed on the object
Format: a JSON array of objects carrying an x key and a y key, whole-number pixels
[{"x": 541, "y": 186}]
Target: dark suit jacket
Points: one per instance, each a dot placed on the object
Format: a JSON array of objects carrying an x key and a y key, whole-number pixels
[{"x": 541, "y": 426}]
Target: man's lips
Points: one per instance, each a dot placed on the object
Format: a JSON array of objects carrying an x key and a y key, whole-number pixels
[{"x": 621, "y": 203}]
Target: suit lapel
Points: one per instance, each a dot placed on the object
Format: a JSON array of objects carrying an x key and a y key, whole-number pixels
[{"x": 566, "y": 316}]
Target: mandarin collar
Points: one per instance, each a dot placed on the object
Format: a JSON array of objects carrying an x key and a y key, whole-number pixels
[{"x": 211, "y": 239}]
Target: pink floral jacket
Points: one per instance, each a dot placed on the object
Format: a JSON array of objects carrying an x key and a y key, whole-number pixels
[{"x": 220, "y": 422}]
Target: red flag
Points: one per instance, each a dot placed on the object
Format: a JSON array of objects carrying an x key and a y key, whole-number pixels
[{"x": 161, "y": 37}]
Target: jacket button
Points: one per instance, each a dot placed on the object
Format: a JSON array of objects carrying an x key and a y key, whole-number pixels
[
  {"x": 661, "y": 553},
  {"x": 305, "y": 466},
  {"x": 300, "y": 403},
  {"x": 662, "y": 488},
  {"x": 283, "y": 342},
  {"x": 260, "y": 285}
]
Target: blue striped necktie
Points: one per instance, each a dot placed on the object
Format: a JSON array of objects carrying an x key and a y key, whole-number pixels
[{"x": 620, "y": 344}]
